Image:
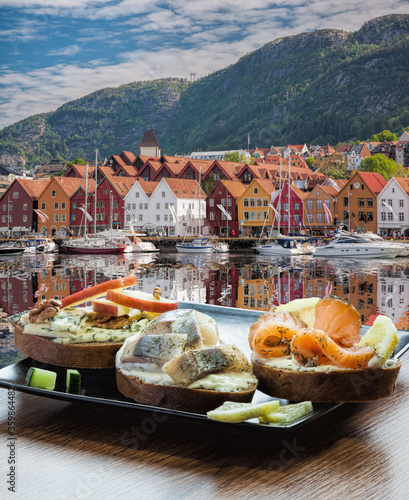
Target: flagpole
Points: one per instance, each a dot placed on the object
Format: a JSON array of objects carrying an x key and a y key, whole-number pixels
[{"x": 86, "y": 202}]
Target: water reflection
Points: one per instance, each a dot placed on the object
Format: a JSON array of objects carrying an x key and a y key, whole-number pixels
[{"x": 244, "y": 281}]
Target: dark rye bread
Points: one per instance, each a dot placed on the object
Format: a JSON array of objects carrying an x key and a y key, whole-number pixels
[
  {"x": 178, "y": 398},
  {"x": 85, "y": 355},
  {"x": 342, "y": 386}
]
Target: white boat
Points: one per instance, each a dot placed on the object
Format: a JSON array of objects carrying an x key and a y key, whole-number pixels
[
  {"x": 36, "y": 244},
  {"x": 197, "y": 245},
  {"x": 281, "y": 246},
  {"x": 10, "y": 249},
  {"x": 219, "y": 246},
  {"x": 358, "y": 246}
]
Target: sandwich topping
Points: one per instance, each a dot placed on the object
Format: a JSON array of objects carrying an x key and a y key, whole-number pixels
[{"x": 182, "y": 348}]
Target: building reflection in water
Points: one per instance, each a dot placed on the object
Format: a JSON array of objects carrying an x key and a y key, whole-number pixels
[{"x": 244, "y": 281}]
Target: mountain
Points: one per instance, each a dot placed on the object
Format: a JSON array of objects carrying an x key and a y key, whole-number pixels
[{"x": 322, "y": 86}]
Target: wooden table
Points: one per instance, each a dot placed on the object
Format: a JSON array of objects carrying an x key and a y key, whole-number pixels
[{"x": 68, "y": 450}]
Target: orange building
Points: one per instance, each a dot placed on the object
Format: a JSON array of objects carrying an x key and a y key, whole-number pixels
[
  {"x": 317, "y": 218},
  {"x": 55, "y": 203},
  {"x": 356, "y": 202}
]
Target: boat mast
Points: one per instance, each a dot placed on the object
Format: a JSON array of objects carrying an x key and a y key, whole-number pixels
[
  {"x": 86, "y": 202},
  {"x": 95, "y": 194},
  {"x": 200, "y": 201},
  {"x": 289, "y": 195},
  {"x": 280, "y": 187}
]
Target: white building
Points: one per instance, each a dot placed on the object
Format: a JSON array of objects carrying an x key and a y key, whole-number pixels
[
  {"x": 174, "y": 207},
  {"x": 393, "y": 207}
]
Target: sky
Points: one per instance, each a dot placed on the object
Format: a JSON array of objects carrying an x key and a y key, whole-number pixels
[{"x": 54, "y": 51}]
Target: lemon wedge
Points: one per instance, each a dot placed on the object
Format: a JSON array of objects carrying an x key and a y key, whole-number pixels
[
  {"x": 239, "y": 412},
  {"x": 287, "y": 413},
  {"x": 302, "y": 308},
  {"x": 382, "y": 336}
]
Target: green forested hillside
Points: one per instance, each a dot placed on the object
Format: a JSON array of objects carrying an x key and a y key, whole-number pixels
[{"x": 317, "y": 87}]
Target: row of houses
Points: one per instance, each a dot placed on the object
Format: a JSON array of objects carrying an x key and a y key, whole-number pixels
[{"x": 97, "y": 198}]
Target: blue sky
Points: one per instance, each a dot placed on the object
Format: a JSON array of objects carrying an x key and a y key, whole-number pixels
[{"x": 53, "y": 51}]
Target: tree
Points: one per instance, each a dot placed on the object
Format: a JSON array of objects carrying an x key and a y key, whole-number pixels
[
  {"x": 78, "y": 161},
  {"x": 309, "y": 161},
  {"x": 333, "y": 166},
  {"x": 384, "y": 136},
  {"x": 235, "y": 157},
  {"x": 385, "y": 166}
]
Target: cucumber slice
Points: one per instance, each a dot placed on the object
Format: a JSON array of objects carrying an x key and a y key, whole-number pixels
[
  {"x": 73, "y": 381},
  {"x": 41, "y": 379},
  {"x": 287, "y": 413}
]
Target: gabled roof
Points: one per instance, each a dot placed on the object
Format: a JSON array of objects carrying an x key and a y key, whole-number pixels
[
  {"x": 81, "y": 170},
  {"x": 128, "y": 157},
  {"x": 106, "y": 170},
  {"x": 33, "y": 187},
  {"x": 122, "y": 185},
  {"x": 301, "y": 194},
  {"x": 173, "y": 168},
  {"x": 330, "y": 190},
  {"x": 374, "y": 181},
  {"x": 148, "y": 186},
  {"x": 70, "y": 185},
  {"x": 129, "y": 170},
  {"x": 185, "y": 188},
  {"x": 403, "y": 183},
  {"x": 235, "y": 188},
  {"x": 6, "y": 170}
]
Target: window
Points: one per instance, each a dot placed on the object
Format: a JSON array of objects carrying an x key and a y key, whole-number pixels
[
  {"x": 140, "y": 206},
  {"x": 4, "y": 218},
  {"x": 137, "y": 194},
  {"x": 362, "y": 216},
  {"x": 63, "y": 205},
  {"x": 163, "y": 194},
  {"x": 297, "y": 207},
  {"x": 401, "y": 216},
  {"x": 25, "y": 206},
  {"x": 390, "y": 216},
  {"x": 128, "y": 206},
  {"x": 133, "y": 206},
  {"x": 55, "y": 217},
  {"x": 309, "y": 217},
  {"x": 63, "y": 217},
  {"x": 346, "y": 215},
  {"x": 42, "y": 206},
  {"x": 369, "y": 202},
  {"x": 252, "y": 202},
  {"x": 265, "y": 202},
  {"x": 140, "y": 218},
  {"x": 229, "y": 201},
  {"x": 319, "y": 217},
  {"x": 102, "y": 204},
  {"x": 25, "y": 218},
  {"x": 53, "y": 194},
  {"x": 115, "y": 203},
  {"x": 211, "y": 215},
  {"x": 102, "y": 216},
  {"x": 211, "y": 202},
  {"x": 4, "y": 207},
  {"x": 369, "y": 216},
  {"x": 319, "y": 204},
  {"x": 345, "y": 201},
  {"x": 105, "y": 191},
  {"x": 383, "y": 216},
  {"x": 56, "y": 205},
  {"x": 255, "y": 190},
  {"x": 146, "y": 206},
  {"x": 259, "y": 215},
  {"x": 361, "y": 202},
  {"x": 246, "y": 216},
  {"x": 400, "y": 203},
  {"x": 259, "y": 202},
  {"x": 309, "y": 204},
  {"x": 252, "y": 216},
  {"x": 223, "y": 202},
  {"x": 158, "y": 217},
  {"x": 296, "y": 217},
  {"x": 245, "y": 202},
  {"x": 16, "y": 195}
]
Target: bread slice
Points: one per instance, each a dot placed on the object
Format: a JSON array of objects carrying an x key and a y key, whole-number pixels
[
  {"x": 176, "y": 397},
  {"x": 85, "y": 355},
  {"x": 337, "y": 386}
]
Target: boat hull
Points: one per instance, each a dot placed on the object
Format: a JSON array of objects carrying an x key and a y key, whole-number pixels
[
  {"x": 91, "y": 250},
  {"x": 186, "y": 249},
  {"x": 354, "y": 252},
  {"x": 11, "y": 251}
]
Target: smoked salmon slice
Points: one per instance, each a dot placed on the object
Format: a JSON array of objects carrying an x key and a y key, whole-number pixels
[
  {"x": 271, "y": 335},
  {"x": 313, "y": 347},
  {"x": 339, "y": 319}
]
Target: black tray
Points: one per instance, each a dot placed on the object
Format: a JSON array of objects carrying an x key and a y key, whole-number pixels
[{"x": 99, "y": 386}]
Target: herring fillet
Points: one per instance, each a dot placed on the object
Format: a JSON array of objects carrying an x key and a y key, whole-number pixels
[
  {"x": 157, "y": 348},
  {"x": 193, "y": 365}
]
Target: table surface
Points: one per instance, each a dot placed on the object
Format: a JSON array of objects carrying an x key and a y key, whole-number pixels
[{"x": 75, "y": 450}]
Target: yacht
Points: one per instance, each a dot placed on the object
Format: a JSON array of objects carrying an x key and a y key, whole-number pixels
[
  {"x": 36, "y": 244},
  {"x": 358, "y": 246},
  {"x": 280, "y": 246},
  {"x": 197, "y": 245}
]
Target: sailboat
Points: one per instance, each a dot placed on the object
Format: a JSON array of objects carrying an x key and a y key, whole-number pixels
[
  {"x": 282, "y": 245},
  {"x": 94, "y": 245},
  {"x": 201, "y": 244}
]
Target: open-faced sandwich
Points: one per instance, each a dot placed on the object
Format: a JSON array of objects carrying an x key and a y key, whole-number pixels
[
  {"x": 56, "y": 332},
  {"x": 311, "y": 349},
  {"x": 177, "y": 361}
]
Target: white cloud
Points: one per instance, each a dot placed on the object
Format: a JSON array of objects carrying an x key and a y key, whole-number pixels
[
  {"x": 195, "y": 36},
  {"x": 71, "y": 50}
]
